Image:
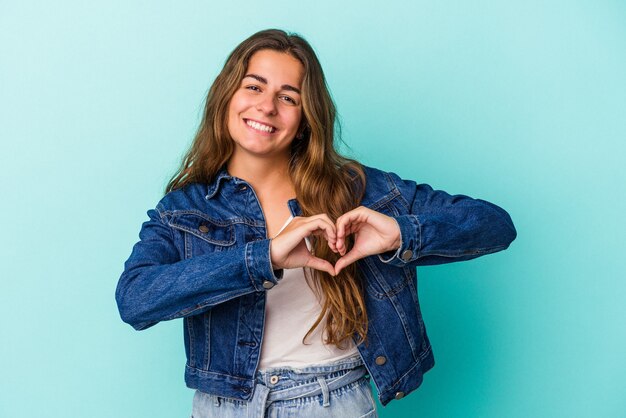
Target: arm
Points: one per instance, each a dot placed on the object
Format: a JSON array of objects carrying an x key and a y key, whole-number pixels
[
  {"x": 433, "y": 227},
  {"x": 443, "y": 228},
  {"x": 157, "y": 285}
]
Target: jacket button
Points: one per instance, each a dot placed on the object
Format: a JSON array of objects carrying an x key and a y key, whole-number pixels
[
  {"x": 203, "y": 228},
  {"x": 380, "y": 360},
  {"x": 399, "y": 395},
  {"x": 267, "y": 284},
  {"x": 407, "y": 255}
]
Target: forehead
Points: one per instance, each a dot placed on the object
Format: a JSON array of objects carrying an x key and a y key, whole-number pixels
[{"x": 276, "y": 67}]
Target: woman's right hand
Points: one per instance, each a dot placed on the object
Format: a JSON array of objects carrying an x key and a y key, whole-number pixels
[{"x": 288, "y": 249}]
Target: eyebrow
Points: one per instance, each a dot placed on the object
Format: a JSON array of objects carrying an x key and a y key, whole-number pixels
[{"x": 264, "y": 81}]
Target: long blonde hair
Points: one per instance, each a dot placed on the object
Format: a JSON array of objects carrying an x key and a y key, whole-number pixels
[{"x": 324, "y": 181}]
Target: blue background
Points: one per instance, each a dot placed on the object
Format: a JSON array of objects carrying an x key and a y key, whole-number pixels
[{"x": 522, "y": 103}]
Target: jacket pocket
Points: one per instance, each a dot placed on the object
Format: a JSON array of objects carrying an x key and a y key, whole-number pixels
[
  {"x": 203, "y": 234},
  {"x": 384, "y": 281}
]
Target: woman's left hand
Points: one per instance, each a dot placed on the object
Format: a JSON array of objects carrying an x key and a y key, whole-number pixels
[{"x": 374, "y": 233}]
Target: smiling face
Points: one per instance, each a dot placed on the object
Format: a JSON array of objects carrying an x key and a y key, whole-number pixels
[{"x": 265, "y": 112}]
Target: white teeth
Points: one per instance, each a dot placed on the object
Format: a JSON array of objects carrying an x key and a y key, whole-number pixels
[{"x": 259, "y": 127}]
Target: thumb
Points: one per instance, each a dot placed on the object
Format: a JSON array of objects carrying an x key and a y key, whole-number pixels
[
  {"x": 321, "y": 264},
  {"x": 347, "y": 259}
]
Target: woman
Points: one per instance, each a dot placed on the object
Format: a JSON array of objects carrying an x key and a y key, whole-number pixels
[{"x": 292, "y": 266}]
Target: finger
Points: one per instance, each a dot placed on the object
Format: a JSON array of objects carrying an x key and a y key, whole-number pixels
[
  {"x": 324, "y": 217},
  {"x": 350, "y": 229},
  {"x": 305, "y": 227},
  {"x": 330, "y": 242},
  {"x": 295, "y": 234},
  {"x": 322, "y": 232},
  {"x": 343, "y": 224},
  {"x": 320, "y": 264},
  {"x": 347, "y": 259},
  {"x": 332, "y": 245},
  {"x": 321, "y": 226},
  {"x": 341, "y": 244},
  {"x": 341, "y": 237},
  {"x": 349, "y": 217}
]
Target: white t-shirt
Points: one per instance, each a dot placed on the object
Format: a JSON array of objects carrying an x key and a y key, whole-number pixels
[{"x": 290, "y": 310}]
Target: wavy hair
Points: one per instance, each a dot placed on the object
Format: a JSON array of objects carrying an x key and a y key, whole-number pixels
[{"x": 324, "y": 181}]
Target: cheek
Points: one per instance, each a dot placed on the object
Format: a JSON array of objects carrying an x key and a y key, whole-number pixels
[
  {"x": 231, "y": 117},
  {"x": 232, "y": 122},
  {"x": 234, "y": 109},
  {"x": 234, "y": 106},
  {"x": 296, "y": 118},
  {"x": 239, "y": 102}
]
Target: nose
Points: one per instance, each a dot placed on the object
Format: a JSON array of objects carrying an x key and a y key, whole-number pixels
[{"x": 266, "y": 104}]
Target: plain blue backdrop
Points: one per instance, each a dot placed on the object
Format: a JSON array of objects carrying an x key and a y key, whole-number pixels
[{"x": 519, "y": 103}]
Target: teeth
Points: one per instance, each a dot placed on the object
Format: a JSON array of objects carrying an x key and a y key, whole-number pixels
[{"x": 260, "y": 127}]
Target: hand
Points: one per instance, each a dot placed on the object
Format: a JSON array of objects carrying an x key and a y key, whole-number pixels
[
  {"x": 288, "y": 249},
  {"x": 374, "y": 233}
]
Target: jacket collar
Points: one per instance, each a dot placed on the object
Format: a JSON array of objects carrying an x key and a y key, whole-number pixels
[
  {"x": 294, "y": 207},
  {"x": 223, "y": 175},
  {"x": 214, "y": 186}
]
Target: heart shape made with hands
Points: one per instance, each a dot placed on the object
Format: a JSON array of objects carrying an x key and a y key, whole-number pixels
[{"x": 374, "y": 233}]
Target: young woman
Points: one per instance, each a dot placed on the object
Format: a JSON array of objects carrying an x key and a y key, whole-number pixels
[{"x": 292, "y": 266}]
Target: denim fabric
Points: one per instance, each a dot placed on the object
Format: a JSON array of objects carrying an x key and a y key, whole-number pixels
[
  {"x": 203, "y": 255},
  {"x": 339, "y": 389}
]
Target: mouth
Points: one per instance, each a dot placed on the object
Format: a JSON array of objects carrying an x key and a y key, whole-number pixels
[{"x": 261, "y": 127}]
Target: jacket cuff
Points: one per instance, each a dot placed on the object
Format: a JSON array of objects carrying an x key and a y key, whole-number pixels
[
  {"x": 410, "y": 242},
  {"x": 259, "y": 265}
]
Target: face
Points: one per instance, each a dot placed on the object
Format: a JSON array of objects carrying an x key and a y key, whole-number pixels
[{"x": 264, "y": 113}]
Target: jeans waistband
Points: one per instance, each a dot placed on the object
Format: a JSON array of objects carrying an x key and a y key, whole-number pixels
[
  {"x": 306, "y": 373},
  {"x": 279, "y": 384}
]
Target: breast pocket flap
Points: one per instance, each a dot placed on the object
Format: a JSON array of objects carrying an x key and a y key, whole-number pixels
[{"x": 211, "y": 230}]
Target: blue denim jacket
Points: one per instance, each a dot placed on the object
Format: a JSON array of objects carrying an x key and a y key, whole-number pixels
[{"x": 204, "y": 256}]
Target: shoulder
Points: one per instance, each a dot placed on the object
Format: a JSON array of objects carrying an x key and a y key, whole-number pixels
[
  {"x": 383, "y": 186},
  {"x": 190, "y": 197}
]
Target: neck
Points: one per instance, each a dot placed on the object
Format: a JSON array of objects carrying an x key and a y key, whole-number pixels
[{"x": 262, "y": 174}]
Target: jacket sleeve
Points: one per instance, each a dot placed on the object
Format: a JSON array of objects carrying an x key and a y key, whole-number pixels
[
  {"x": 442, "y": 228},
  {"x": 157, "y": 285}
]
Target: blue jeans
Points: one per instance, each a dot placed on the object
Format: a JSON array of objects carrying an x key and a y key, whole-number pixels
[{"x": 339, "y": 389}]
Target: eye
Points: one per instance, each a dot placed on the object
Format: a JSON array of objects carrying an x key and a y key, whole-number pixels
[
  {"x": 253, "y": 87},
  {"x": 289, "y": 99}
]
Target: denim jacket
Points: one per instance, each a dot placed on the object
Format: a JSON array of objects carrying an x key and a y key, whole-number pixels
[{"x": 204, "y": 256}]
